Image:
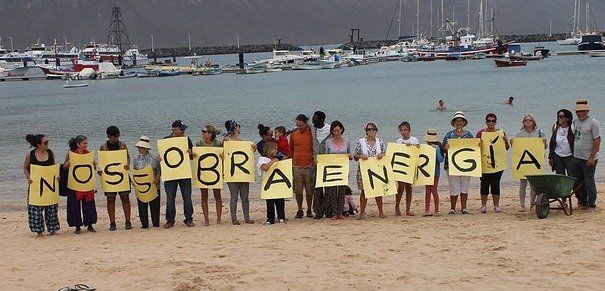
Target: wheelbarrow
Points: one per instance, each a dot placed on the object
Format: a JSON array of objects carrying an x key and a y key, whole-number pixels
[{"x": 549, "y": 189}]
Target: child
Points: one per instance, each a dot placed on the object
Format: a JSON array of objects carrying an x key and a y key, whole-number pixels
[
  {"x": 282, "y": 141},
  {"x": 406, "y": 138},
  {"x": 431, "y": 139},
  {"x": 264, "y": 164},
  {"x": 141, "y": 161},
  {"x": 349, "y": 206}
]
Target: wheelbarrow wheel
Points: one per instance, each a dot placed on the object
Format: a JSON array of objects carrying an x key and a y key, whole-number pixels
[{"x": 542, "y": 206}]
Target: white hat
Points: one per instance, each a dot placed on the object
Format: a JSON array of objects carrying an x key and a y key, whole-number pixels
[
  {"x": 143, "y": 142},
  {"x": 459, "y": 114}
]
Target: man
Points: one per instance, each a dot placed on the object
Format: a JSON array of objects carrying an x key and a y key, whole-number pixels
[
  {"x": 587, "y": 142},
  {"x": 301, "y": 149},
  {"x": 178, "y": 130},
  {"x": 321, "y": 133},
  {"x": 113, "y": 143}
]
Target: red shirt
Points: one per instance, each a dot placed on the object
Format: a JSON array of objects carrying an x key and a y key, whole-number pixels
[
  {"x": 283, "y": 146},
  {"x": 301, "y": 148}
]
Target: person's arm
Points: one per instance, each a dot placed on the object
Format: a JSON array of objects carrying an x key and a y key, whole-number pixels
[
  {"x": 596, "y": 145},
  {"x": 26, "y": 167},
  {"x": 357, "y": 153},
  {"x": 124, "y": 147},
  {"x": 266, "y": 166},
  {"x": 291, "y": 146},
  {"x": 66, "y": 162}
]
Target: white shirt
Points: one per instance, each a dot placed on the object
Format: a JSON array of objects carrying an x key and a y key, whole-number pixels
[
  {"x": 412, "y": 140},
  {"x": 262, "y": 161},
  {"x": 322, "y": 133},
  {"x": 563, "y": 149}
]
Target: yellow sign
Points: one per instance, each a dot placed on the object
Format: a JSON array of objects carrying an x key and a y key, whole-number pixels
[
  {"x": 175, "y": 163},
  {"x": 81, "y": 172},
  {"x": 207, "y": 168},
  {"x": 144, "y": 185},
  {"x": 377, "y": 176},
  {"x": 425, "y": 166},
  {"x": 464, "y": 157},
  {"x": 277, "y": 181},
  {"x": 114, "y": 178},
  {"x": 528, "y": 157},
  {"x": 239, "y": 161},
  {"x": 403, "y": 161},
  {"x": 332, "y": 170},
  {"x": 493, "y": 152},
  {"x": 44, "y": 189}
]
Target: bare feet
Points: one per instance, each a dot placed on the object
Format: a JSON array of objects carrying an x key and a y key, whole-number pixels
[
  {"x": 361, "y": 216},
  {"x": 397, "y": 212},
  {"x": 335, "y": 217},
  {"x": 410, "y": 213},
  {"x": 426, "y": 213},
  {"x": 206, "y": 223},
  {"x": 382, "y": 215},
  {"x": 437, "y": 213}
]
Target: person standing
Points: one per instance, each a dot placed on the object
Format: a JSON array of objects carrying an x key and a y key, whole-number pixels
[
  {"x": 432, "y": 190},
  {"x": 265, "y": 162},
  {"x": 560, "y": 154},
  {"x": 209, "y": 134},
  {"x": 529, "y": 129},
  {"x": 301, "y": 149},
  {"x": 321, "y": 133},
  {"x": 405, "y": 129},
  {"x": 178, "y": 130},
  {"x": 337, "y": 144},
  {"x": 458, "y": 184},
  {"x": 586, "y": 148},
  {"x": 144, "y": 159},
  {"x": 491, "y": 181},
  {"x": 368, "y": 146},
  {"x": 241, "y": 189},
  {"x": 81, "y": 208},
  {"x": 41, "y": 155},
  {"x": 113, "y": 143}
]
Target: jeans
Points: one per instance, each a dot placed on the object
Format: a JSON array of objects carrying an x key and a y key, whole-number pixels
[
  {"x": 563, "y": 165},
  {"x": 243, "y": 190},
  {"x": 170, "y": 188},
  {"x": 587, "y": 191}
]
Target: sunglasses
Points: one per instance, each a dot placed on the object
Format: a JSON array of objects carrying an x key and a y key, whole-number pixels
[
  {"x": 371, "y": 129},
  {"x": 491, "y": 121},
  {"x": 524, "y": 120},
  {"x": 561, "y": 116}
]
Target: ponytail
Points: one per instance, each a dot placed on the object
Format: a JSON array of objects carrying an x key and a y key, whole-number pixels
[{"x": 34, "y": 140}]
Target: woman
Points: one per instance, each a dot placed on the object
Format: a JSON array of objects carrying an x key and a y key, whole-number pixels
[
  {"x": 39, "y": 215},
  {"x": 529, "y": 129},
  {"x": 560, "y": 155},
  {"x": 143, "y": 160},
  {"x": 337, "y": 144},
  {"x": 458, "y": 184},
  {"x": 81, "y": 209},
  {"x": 266, "y": 134},
  {"x": 491, "y": 180},
  {"x": 369, "y": 146},
  {"x": 209, "y": 133},
  {"x": 238, "y": 188}
]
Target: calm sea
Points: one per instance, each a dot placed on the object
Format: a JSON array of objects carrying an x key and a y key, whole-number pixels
[{"x": 386, "y": 93}]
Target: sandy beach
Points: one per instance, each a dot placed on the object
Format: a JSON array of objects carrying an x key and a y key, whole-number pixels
[{"x": 510, "y": 250}]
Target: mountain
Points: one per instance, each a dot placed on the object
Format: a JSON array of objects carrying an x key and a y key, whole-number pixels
[{"x": 218, "y": 22}]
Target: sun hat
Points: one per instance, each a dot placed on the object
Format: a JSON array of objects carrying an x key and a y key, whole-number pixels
[
  {"x": 211, "y": 129},
  {"x": 143, "y": 142},
  {"x": 431, "y": 135},
  {"x": 459, "y": 114},
  {"x": 582, "y": 105}
]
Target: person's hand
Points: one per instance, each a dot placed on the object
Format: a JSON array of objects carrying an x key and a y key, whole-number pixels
[
  {"x": 159, "y": 159},
  {"x": 350, "y": 157},
  {"x": 194, "y": 155},
  {"x": 156, "y": 181},
  {"x": 379, "y": 156},
  {"x": 447, "y": 146},
  {"x": 221, "y": 155},
  {"x": 363, "y": 157},
  {"x": 66, "y": 165},
  {"x": 253, "y": 146},
  {"x": 505, "y": 139},
  {"x": 126, "y": 167},
  {"x": 550, "y": 162},
  {"x": 29, "y": 181},
  {"x": 100, "y": 173},
  {"x": 590, "y": 162}
]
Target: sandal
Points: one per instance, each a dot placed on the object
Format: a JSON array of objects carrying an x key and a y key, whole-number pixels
[
  {"x": 235, "y": 222},
  {"x": 427, "y": 214},
  {"x": 464, "y": 211},
  {"x": 249, "y": 221},
  {"x": 452, "y": 212},
  {"x": 497, "y": 209},
  {"x": 483, "y": 209},
  {"x": 437, "y": 213},
  {"x": 410, "y": 213}
]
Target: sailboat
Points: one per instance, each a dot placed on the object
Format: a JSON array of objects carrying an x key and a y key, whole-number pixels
[{"x": 575, "y": 35}]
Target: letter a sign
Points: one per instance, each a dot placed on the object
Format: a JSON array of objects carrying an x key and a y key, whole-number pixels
[
  {"x": 277, "y": 181},
  {"x": 528, "y": 157}
]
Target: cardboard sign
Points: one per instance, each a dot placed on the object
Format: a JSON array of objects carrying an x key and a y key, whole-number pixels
[
  {"x": 44, "y": 189},
  {"x": 528, "y": 157},
  {"x": 464, "y": 157},
  {"x": 493, "y": 152},
  {"x": 81, "y": 172},
  {"x": 144, "y": 185},
  {"x": 425, "y": 165},
  {"x": 332, "y": 170},
  {"x": 114, "y": 178},
  {"x": 403, "y": 161},
  {"x": 277, "y": 181},
  {"x": 377, "y": 176},
  {"x": 238, "y": 165},
  {"x": 175, "y": 163},
  {"x": 207, "y": 168}
]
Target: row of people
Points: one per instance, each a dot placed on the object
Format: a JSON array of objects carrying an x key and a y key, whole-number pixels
[{"x": 574, "y": 150}]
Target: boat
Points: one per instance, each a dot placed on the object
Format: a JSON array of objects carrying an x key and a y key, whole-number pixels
[
  {"x": 428, "y": 57},
  {"x": 69, "y": 84},
  {"x": 541, "y": 51},
  {"x": 133, "y": 54},
  {"x": 509, "y": 63},
  {"x": 101, "y": 52},
  {"x": 525, "y": 57},
  {"x": 314, "y": 65},
  {"x": 453, "y": 57},
  {"x": 591, "y": 42},
  {"x": 126, "y": 75},
  {"x": 479, "y": 56},
  {"x": 166, "y": 73},
  {"x": 597, "y": 54},
  {"x": 255, "y": 70}
]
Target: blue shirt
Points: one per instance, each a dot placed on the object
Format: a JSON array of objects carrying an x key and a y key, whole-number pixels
[{"x": 450, "y": 135}]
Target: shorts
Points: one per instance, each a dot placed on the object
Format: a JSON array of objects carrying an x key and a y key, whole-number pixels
[
  {"x": 302, "y": 180},
  {"x": 113, "y": 194},
  {"x": 458, "y": 184}
]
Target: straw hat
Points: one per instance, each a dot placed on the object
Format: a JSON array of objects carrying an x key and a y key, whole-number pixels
[
  {"x": 581, "y": 105},
  {"x": 143, "y": 142},
  {"x": 459, "y": 114},
  {"x": 431, "y": 135}
]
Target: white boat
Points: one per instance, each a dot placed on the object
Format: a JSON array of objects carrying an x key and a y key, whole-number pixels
[
  {"x": 132, "y": 54},
  {"x": 69, "y": 84},
  {"x": 255, "y": 70},
  {"x": 600, "y": 54},
  {"x": 574, "y": 40},
  {"x": 314, "y": 65}
]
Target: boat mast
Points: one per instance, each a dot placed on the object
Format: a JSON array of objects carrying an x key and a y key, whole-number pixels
[
  {"x": 468, "y": 15},
  {"x": 442, "y": 15},
  {"x": 399, "y": 20},
  {"x": 431, "y": 19},
  {"x": 418, "y": 19},
  {"x": 481, "y": 20},
  {"x": 587, "y": 16},
  {"x": 574, "y": 18}
]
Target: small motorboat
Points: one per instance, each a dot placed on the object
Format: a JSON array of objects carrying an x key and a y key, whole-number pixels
[
  {"x": 429, "y": 57},
  {"x": 510, "y": 63},
  {"x": 541, "y": 51},
  {"x": 453, "y": 57},
  {"x": 597, "y": 54},
  {"x": 524, "y": 57},
  {"x": 479, "y": 56},
  {"x": 74, "y": 85}
]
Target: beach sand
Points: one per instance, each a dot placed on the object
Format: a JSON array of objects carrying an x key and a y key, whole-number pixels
[{"x": 495, "y": 251}]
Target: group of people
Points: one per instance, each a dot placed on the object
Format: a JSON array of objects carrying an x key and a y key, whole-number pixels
[{"x": 574, "y": 147}]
